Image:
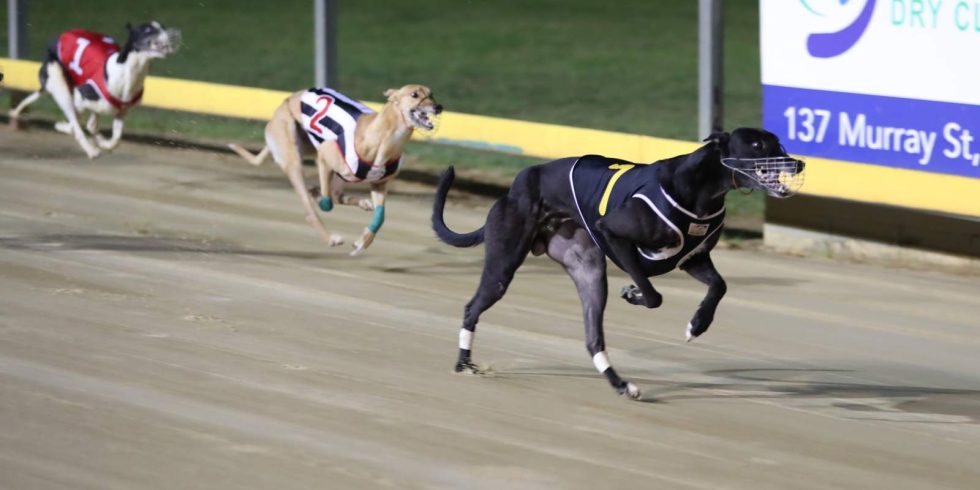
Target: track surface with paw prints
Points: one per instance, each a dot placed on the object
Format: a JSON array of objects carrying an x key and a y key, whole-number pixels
[{"x": 168, "y": 320}]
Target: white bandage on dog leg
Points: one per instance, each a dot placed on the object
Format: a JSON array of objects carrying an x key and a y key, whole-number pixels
[
  {"x": 601, "y": 361},
  {"x": 465, "y": 339}
]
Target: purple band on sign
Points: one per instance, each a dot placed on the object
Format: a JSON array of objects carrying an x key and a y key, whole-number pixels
[
  {"x": 890, "y": 131},
  {"x": 830, "y": 44}
]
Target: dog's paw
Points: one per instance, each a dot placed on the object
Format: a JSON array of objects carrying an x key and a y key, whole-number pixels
[
  {"x": 362, "y": 243},
  {"x": 63, "y": 127},
  {"x": 629, "y": 390},
  {"x": 366, "y": 204},
  {"x": 695, "y": 329},
  {"x": 335, "y": 240},
  {"x": 471, "y": 369},
  {"x": 105, "y": 144},
  {"x": 631, "y": 294},
  {"x": 359, "y": 247},
  {"x": 92, "y": 153}
]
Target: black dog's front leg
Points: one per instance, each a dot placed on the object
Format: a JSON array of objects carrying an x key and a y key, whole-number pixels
[
  {"x": 623, "y": 228},
  {"x": 701, "y": 268}
]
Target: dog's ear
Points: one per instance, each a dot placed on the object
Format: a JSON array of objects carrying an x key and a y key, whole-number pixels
[
  {"x": 390, "y": 94},
  {"x": 124, "y": 54},
  {"x": 720, "y": 139}
]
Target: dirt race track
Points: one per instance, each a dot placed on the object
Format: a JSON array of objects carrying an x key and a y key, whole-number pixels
[{"x": 167, "y": 320}]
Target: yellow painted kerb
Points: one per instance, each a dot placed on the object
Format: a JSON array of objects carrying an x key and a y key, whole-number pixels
[{"x": 829, "y": 178}]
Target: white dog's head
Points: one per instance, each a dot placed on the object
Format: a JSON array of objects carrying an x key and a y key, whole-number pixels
[{"x": 153, "y": 39}]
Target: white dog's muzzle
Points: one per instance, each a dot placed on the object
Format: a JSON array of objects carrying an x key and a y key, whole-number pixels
[{"x": 167, "y": 43}]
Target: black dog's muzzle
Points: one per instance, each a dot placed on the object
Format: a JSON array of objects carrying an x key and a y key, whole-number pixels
[{"x": 780, "y": 176}]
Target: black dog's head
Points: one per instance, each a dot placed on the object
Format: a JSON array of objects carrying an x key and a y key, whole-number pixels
[
  {"x": 759, "y": 161},
  {"x": 152, "y": 39}
]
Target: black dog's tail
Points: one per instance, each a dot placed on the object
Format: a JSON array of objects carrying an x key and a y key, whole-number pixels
[{"x": 439, "y": 224}]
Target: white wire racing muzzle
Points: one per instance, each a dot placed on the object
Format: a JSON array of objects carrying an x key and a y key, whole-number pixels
[
  {"x": 173, "y": 40},
  {"x": 780, "y": 176},
  {"x": 163, "y": 43}
]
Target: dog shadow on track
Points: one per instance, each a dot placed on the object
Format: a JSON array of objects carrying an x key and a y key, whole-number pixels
[
  {"x": 764, "y": 281},
  {"x": 457, "y": 263},
  {"x": 866, "y": 401},
  {"x": 139, "y": 244},
  {"x": 788, "y": 383}
]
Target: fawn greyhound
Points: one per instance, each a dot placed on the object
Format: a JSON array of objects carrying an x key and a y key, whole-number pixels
[{"x": 352, "y": 142}]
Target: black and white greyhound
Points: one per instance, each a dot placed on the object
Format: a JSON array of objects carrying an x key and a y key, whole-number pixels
[
  {"x": 647, "y": 218},
  {"x": 87, "y": 72}
]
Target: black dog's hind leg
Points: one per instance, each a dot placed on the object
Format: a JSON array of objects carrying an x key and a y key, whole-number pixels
[
  {"x": 701, "y": 268},
  {"x": 508, "y": 232},
  {"x": 585, "y": 263}
]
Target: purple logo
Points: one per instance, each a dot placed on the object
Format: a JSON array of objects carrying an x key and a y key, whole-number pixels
[{"x": 830, "y": 44}]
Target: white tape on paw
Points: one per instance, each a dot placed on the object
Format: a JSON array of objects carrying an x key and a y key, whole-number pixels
[
  {"x": 632, "y": 391},
  {"x": 465, "y": 339},
  {"x": 601, "y": 361}
]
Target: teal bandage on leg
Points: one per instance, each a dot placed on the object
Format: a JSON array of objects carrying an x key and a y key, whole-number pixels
[
  {"x": 325, "y": 203},
  {"x": 379, "y": 219}
]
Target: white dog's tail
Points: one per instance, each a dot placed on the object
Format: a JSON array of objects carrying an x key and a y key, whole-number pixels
[{"x": 248, "y": 156}]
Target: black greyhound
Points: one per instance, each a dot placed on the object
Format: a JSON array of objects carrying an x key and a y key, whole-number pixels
[{"x": 647, "y": 218}]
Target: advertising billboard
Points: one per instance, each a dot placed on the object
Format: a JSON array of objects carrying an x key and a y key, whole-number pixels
[{"x": 888, "y": 91}]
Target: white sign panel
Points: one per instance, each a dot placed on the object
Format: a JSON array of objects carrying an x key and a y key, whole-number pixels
[{"x": 886, "y": 82}]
